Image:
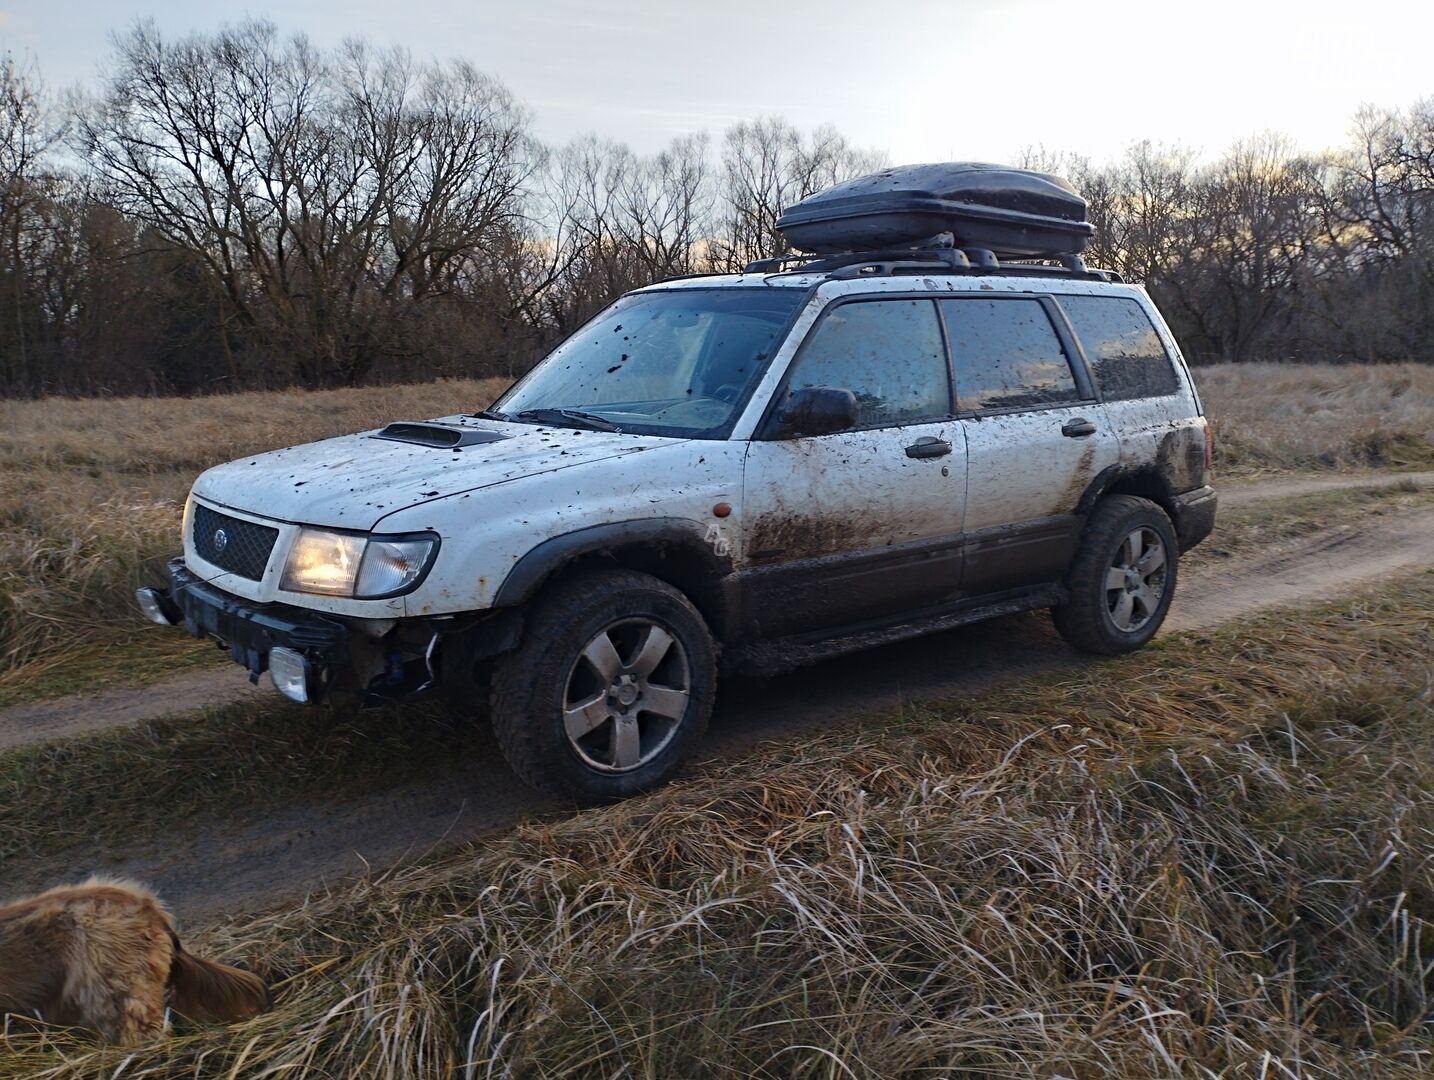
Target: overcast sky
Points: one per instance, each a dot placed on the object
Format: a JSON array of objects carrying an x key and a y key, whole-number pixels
[{"x": 922, "y": 79}]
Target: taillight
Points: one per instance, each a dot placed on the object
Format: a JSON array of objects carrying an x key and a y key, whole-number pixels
[{"x": 1209, "y": 447}]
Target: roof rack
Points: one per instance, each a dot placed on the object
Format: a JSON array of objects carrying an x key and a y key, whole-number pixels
[{"x": 938, "y": 254}]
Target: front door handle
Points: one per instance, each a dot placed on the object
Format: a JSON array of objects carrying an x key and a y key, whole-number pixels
[
  {"x": 1077, "y": 428},
  {"x": 928, "y": 446}
]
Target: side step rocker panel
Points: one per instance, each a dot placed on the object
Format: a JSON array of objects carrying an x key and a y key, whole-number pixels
[{"x": 774, "y": 656}]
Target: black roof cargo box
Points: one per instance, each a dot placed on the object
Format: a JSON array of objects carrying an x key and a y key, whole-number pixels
[{"x": 1012, "y": 212}]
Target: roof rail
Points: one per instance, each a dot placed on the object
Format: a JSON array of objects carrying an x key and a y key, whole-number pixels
[{"x": 940, "y": 258}]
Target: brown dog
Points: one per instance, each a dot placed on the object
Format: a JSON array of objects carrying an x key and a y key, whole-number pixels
[{"x": 101, "y": 955}]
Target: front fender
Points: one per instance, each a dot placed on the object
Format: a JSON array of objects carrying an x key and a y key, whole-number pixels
[{"x": 655, "y": 534}]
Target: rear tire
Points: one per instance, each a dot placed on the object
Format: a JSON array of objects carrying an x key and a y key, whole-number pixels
[
  {"x": 610, "y": 689},
  {"x": 1123, "y": 577}
]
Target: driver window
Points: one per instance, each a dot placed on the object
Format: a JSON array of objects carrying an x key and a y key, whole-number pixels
[{"x": 889, "y": 353}]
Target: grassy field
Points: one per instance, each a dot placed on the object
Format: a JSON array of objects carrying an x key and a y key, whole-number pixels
[
  {"x": 1275, "y": 417},
  {"x": 91, "y": 491},
  {"x": 1212, "y": 858}
]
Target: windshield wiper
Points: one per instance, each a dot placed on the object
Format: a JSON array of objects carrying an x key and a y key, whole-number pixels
[
  {"x": 490, "y": 414},
  {"x": 571, "y": 416}
]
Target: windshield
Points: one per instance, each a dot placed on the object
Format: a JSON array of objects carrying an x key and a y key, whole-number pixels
[{"x": 677, "y": 362}]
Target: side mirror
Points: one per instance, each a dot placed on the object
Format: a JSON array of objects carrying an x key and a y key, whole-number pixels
[{"x": 819, "y": 410}]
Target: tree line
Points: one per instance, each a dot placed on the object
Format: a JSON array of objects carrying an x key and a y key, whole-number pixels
[{"x": 245, "y": 210}]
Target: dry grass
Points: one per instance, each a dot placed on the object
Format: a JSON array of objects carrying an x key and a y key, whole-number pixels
[
  {"x": 91, "y": 491},
  {"x": 1273, "y": 417},
  {"x": 1210, "y": 859}
]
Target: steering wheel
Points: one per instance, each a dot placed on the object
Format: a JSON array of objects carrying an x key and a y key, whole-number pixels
[{"x": 728, "y": 392}]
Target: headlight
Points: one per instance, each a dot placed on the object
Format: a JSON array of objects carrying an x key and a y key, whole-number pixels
[
  {"x": 323, "y": 562},
  {"x": 345, "y": 564}
]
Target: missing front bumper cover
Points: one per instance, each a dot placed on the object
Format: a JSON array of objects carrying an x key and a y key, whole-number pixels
[{"x": 300, "y": 649}]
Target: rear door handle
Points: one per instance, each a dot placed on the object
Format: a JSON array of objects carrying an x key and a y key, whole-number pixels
[
  {"x": 929, "y": 446},
  {"x": 1077, "y": 428}
]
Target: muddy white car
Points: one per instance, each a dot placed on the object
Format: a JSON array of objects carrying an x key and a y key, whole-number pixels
[{"x": 747, "y": 471}]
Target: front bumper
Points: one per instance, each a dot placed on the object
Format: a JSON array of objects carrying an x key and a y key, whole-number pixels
[
  {"x": 251, "y": 630},
  {"x": 333, "y": 659},
  {"x": 311, "y": 653}
]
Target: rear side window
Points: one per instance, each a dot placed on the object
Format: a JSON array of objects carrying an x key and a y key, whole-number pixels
[
  {"x": 1125, "y": 352},
  {"x": 1006, "y": 355},
  {"x": 888, "y": 353}
]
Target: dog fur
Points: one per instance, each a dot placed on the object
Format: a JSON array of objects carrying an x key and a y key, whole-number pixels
[{"x": 102, "y": 955}]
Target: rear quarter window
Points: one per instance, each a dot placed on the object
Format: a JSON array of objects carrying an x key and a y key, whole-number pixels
[{"x": 1127, "y": 356}]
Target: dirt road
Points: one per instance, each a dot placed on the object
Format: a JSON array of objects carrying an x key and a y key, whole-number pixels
[
  {"x": 209, "y": 869},
  {"x": 1243, "y": 493}
]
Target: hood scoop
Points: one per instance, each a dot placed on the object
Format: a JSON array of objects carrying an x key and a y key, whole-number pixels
[{"x": 437, "y": 435}]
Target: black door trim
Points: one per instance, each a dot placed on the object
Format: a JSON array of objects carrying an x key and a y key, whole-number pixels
[
  {"x": 1032, "y": 552},
  {"x": 790, "y": 596}
]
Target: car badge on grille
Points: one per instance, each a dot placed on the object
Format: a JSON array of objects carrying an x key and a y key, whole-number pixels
[{"x": 221, "y": 539}]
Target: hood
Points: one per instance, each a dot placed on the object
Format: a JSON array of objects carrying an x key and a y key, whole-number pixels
[{"x": 353, "y": 481}]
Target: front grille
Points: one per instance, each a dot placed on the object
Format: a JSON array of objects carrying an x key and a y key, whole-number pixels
[{"x": 236, "y": 545}]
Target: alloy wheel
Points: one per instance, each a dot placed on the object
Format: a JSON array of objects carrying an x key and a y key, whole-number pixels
[
  {"x": 1136, "y": 580},
  {"x": 626, "y": 695}
]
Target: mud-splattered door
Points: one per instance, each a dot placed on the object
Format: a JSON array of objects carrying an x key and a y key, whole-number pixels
[
  {"x": 858, "y": 524},
  {"x": 1035, "y": 438}
]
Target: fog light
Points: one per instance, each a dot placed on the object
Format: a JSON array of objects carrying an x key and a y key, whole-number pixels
[
  {"x": 290, "y": 672},
  {"x": 152, "y": 604}
]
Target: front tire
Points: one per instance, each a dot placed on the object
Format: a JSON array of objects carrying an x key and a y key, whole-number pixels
[
  {"x": 610, "y": 689},
  {"x": 1123, "y": 577}
]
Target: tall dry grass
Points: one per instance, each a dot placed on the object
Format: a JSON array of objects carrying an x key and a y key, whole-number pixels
[
  {"x": 91, "y": 491},
  {"x": 1274, "y": 417},
  {"x": 1209, "y": 860}
]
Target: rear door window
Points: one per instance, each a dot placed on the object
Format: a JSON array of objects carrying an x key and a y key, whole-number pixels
[
  {"x": 888, "y": 353},
  {"x": 1006, "y": 355},
  {"x": 1126, "y": 354}
]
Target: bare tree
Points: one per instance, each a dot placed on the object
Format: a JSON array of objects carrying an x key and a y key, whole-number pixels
[
  {"x": 768, "y": 166},
  {"x": 1379, "y": 218},
  {"x": 29, "y": 129},
  {"x": 623, "y": 221},
  {"x": 247, "y": 209},
  {"x": 1255, "y": 225},
  {"x": 327, "y": 195}
]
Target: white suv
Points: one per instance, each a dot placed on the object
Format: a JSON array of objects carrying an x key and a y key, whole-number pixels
[{"x": 763, "y": 469}]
